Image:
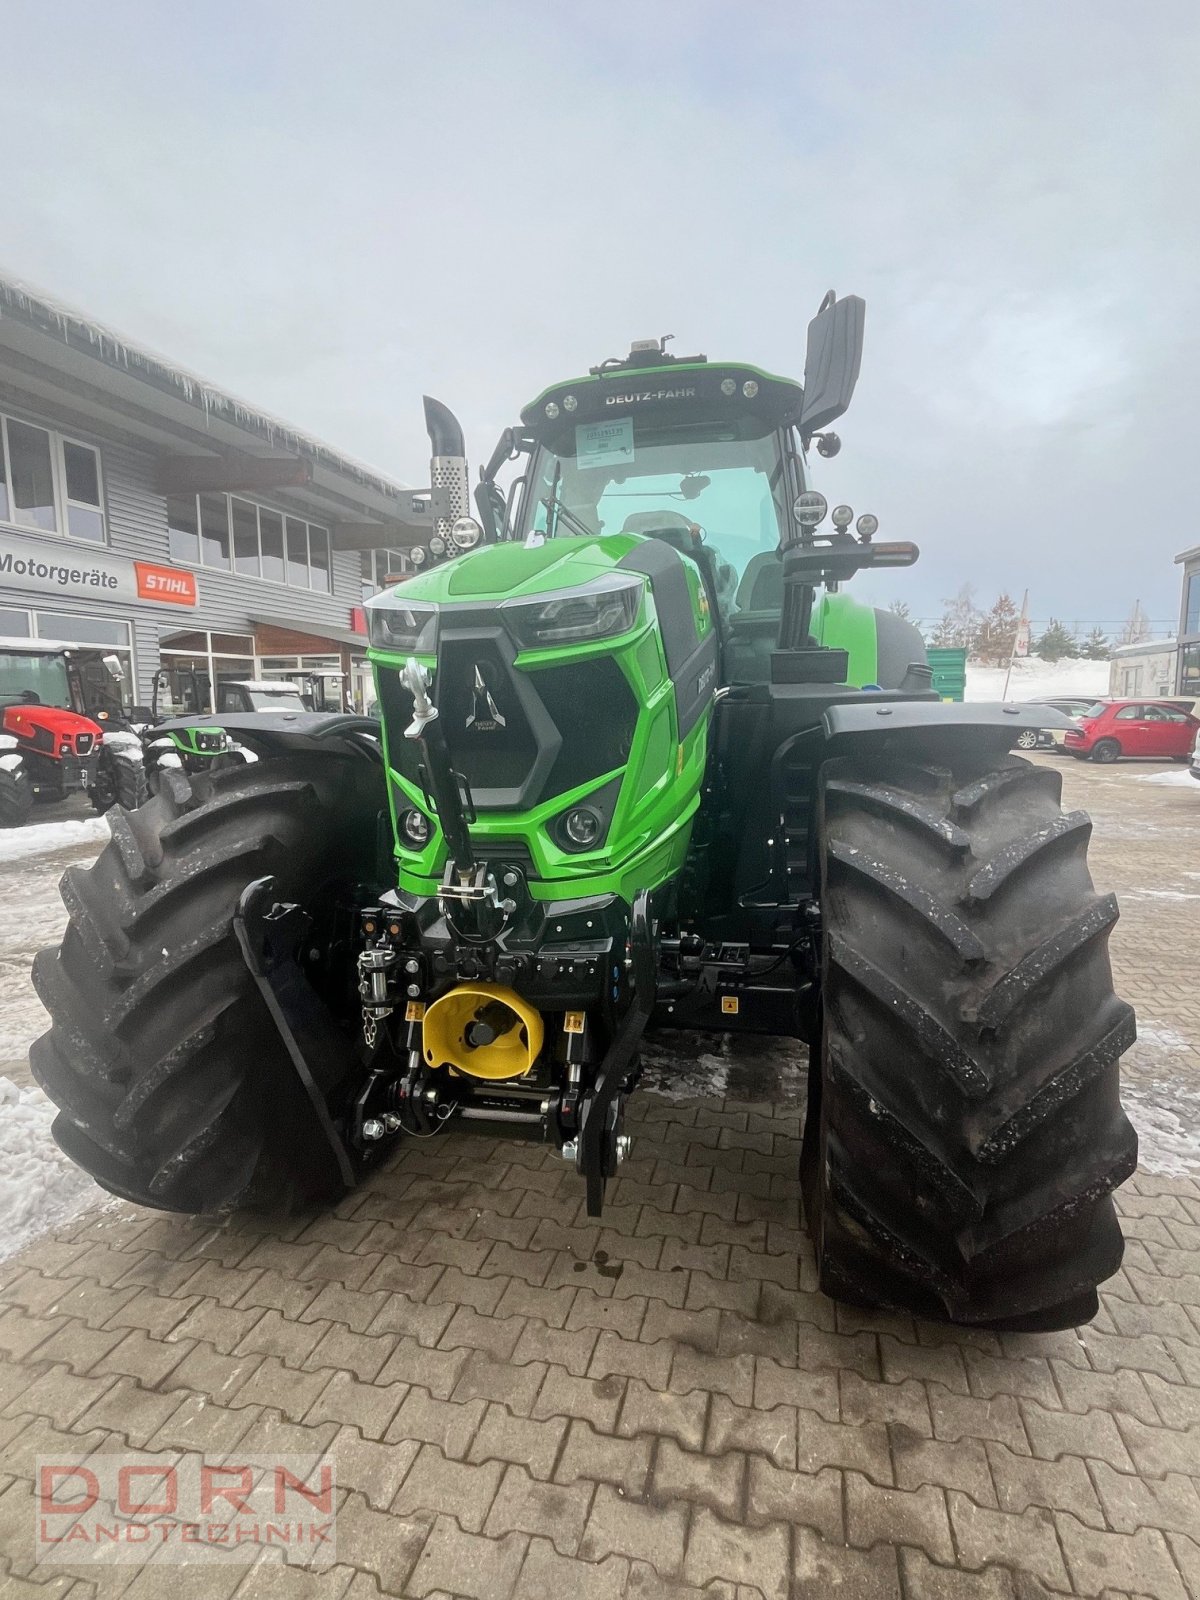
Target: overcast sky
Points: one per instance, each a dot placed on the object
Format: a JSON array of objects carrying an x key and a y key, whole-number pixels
[{"x": 331, "y": 209}]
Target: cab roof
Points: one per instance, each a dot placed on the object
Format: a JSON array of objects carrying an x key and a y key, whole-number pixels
[{"x": 652, "y": 385}]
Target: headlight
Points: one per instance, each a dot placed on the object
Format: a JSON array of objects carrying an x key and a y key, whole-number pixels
[
  {"x": 416, "y": 829},
  {"x": 465, "y": 533},
  {"x": 393, "y": 624},
  {"x": 581, "y": 827},
  {"x": 600, "y": 611},
  {"x": 809, "y": 508}
]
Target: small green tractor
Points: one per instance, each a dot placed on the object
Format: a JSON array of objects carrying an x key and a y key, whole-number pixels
[{"x": 641, "y": 764}]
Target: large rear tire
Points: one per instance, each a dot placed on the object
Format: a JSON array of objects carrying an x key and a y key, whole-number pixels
[
  {"x": 965, "y": 1131},
  {"x": 174, "y": 1086},
  {"x": 16, "y": 796}
]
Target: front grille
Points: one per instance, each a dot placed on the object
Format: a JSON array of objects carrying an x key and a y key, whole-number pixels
[
  {"x": 517, "y": 737},
  {"x": 488, "y": 729},
  {"x": 83, "y": 743}
]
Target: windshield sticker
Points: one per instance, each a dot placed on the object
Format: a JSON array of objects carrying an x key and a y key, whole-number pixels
[{"x": 604, "y": 444}]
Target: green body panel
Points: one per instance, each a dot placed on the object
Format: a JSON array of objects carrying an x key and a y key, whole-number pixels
[
  {"x": 648, "y": 837},
  {"x": 843, "y": 623},
  {"x": 185, "y": 741},
  {"x": 517, "y": 571}
]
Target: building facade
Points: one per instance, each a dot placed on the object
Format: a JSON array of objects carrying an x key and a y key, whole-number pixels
[
  {"x": 1148, "y": 668},
  {"x": 1188, "y": 671},
  {"x": 146, "y": 511}
]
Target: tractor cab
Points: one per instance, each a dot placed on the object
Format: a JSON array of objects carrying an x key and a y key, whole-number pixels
[{"x": 259, "y": 694}]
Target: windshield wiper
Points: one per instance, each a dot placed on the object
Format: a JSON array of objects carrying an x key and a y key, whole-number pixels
[{"x": 552, "y": 504}]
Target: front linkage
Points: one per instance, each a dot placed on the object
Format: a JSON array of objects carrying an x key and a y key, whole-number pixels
[{"x": 444, "y": 1031}]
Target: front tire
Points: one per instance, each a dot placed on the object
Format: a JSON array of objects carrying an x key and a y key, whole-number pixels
[
  {"x": 16, "y": 796},
  {"x": 965, "y": 1132},
  {"x": 1107, "y": 750},
  {"x": 120, "y": 781},
  {"x": 173, "y": 1085}
]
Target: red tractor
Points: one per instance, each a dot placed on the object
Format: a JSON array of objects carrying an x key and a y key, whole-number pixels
[{"x": 47, "y": 750}]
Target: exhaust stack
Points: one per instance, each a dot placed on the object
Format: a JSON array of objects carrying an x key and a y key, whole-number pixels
[{"x": 448, "y": 475}]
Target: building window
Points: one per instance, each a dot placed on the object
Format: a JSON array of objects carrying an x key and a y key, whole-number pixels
[
  {"x": 245, "y": 539},
  {"x": 183, "y": 529},
  {"x": 81, "y": 478},
  {"x": 1191, "y": 609},
  {"x": 31, "y": 475},
  {"x": 270, "y": 535},
  {"x": 193, "y": 662},
  {"x": 225, "y": 531},
  {"x": 74, "y": 628},
  {"x": 1189, "y": 670},
  {"x": 49, "y": 483},
  {"x": 214, "y": 530},
  {"x": 14, "y": 624},
  {"x": 381, "y": 569}
]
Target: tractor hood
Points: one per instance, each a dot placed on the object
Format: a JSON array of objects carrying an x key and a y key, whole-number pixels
[
  {"x": 55, "y": 726},
  {"x": 510, "y": 571}
]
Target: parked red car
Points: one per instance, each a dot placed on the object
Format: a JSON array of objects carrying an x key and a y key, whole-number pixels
[{"x": 1110, "y": 729}]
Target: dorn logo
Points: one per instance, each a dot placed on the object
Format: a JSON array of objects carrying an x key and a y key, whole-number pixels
[{"x": 485, "y": 716}]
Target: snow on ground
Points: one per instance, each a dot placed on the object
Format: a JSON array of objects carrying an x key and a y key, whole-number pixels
[
  {"x": 18, "y": 844},
  {"x": 1160, "y": 1091},
  {"x": 1035, "y": 679},
  {"x": 1168, "y": 780},
  {"x": 39, "y": 1188}
]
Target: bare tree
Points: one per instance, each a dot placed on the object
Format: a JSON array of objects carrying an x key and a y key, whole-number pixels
[
  {"x": 1135, "y": 629},
  {"x": 958, "y": 625}
]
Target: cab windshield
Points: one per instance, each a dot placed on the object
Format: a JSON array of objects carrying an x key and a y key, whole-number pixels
[
  {"x": 729, "y": 493},
  {"x": 33, "y": 680},
  {"x": 275, "y": 700}
]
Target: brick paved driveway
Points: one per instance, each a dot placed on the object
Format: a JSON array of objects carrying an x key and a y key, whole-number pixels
[{"x": 523, "y": 1403}]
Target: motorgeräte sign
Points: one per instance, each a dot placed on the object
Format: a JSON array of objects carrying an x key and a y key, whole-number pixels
[{"x": 73, "y": 570}]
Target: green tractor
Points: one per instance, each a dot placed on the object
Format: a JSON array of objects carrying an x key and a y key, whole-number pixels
[{"x": 642, "y": 765}]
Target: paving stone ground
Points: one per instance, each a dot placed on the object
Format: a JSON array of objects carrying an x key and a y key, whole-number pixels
[{"x": 524, "y": 1403}]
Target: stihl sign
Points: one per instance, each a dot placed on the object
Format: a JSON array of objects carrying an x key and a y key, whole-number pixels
[
  {"x": 171, "y": 584},
  {"x": 67, "y": 567}
]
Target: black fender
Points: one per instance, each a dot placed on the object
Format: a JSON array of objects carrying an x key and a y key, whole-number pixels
[{"x": 933, "y": 725}]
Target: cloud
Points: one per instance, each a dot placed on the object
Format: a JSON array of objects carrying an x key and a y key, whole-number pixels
[{"x": 333, "y": 211}]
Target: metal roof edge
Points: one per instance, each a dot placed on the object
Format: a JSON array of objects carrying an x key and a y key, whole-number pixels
[{"x": 56, "y": 319}]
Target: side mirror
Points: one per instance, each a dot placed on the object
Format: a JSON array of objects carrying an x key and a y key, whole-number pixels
[
  {"x": 835, "y": 345},
  {"x": 113, "y": 667}
]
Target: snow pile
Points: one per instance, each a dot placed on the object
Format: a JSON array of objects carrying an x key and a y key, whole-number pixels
[
  {"x": 1168, "y": 780},
  {"x": 1035, "y": 679},
  {"x": 39, "y": 1188},
  {"x": 18, "y": 844}
]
